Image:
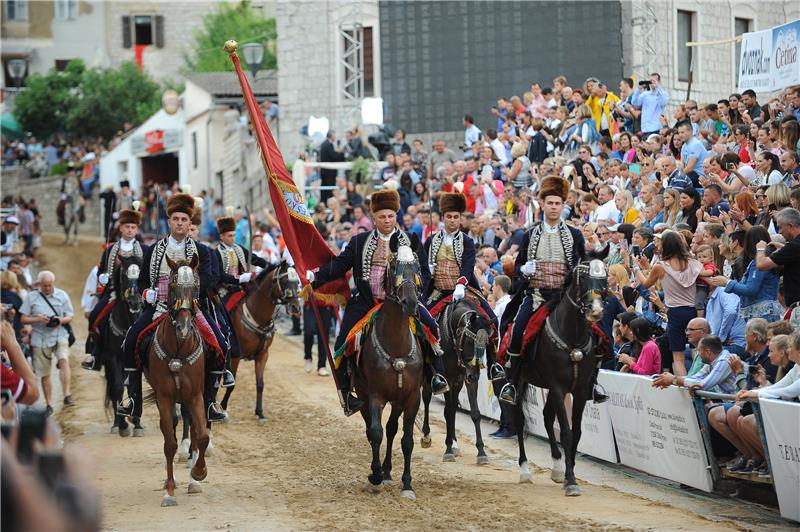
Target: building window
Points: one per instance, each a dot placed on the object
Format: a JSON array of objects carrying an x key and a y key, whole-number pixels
[
  {"x": 358, "y": 63},
  {"x": 66, "y": 9},
  {"x": 142, "y": 30},
  {"x": 740, "y": 26},
  {"x": 61, "y": 64},
  {"x": 194, "y": 149},
  {"x": 686, "y": 33},
  {"x": 17, "y": 9}
]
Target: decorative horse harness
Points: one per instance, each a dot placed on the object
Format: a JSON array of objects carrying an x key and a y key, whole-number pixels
[
  {"x": 479, "y": 338},
  {"x": 267, "y": 331}
]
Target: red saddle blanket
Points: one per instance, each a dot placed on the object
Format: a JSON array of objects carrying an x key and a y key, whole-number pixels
[
  {"x": 446, "y": 300},
  {"x": 535, "y": 325},
  {"x": 206, "y": 332},
  {"x": 103, "y": 314},
  {"x": 234, "y": 300}
]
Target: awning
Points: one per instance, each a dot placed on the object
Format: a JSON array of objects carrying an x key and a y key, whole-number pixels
[
  {"x": 12, "y": 51},
  {"x": 10, "y": 128}
]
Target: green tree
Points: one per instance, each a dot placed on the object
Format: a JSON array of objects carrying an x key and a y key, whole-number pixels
[
  {"x": 241, "y": 22},
  {"x": 86, "y": 102}
]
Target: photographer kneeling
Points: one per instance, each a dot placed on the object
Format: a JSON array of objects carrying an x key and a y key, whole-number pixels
[{"x": 48, "y": 310}]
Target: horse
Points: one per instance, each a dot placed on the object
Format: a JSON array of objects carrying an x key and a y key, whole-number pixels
[
  {"x": 253, "y": 323},
  {"x": 122, "y": 316},
  {"x": 464, "y": 335},
  {"x": 564, "y": 363},
  {"x": 390, "y": 368},
  {"x": 176, "y": 372},
  {"x": 70, "y": 208}
]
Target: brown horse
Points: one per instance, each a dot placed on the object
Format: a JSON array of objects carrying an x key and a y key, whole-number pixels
[
  {"x": 176, "y": 372},
  {"x": 390, "y": 368},
  {"x": 253, "y": 323}
]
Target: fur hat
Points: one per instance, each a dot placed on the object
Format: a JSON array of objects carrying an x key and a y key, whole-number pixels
[
  {"x": 385, "y": 199},
  {"x": 180, "y": 203},
  {"x": 129, "y": 216},
  {"x": 226, "y": 224},
  {"x": 554, "y": 186},
  {"x": 452, "y": 202}
]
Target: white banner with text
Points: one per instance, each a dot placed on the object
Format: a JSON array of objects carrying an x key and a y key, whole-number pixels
[
  {"x": 782, "y": 426},
  {"x": 769, "y": 58}
]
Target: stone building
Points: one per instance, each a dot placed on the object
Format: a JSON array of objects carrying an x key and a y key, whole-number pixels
[{"x": 432, "y": 62}]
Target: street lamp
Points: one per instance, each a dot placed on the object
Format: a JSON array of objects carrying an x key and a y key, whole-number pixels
[
  {"x": 253, "y": 54},
  {"x": 16, "y": 68}
]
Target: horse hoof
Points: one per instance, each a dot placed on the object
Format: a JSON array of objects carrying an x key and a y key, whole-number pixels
[
  {"x": 557, "y": 473},
  {"x": 456, "y": 449},
  {"x": 425, "y": 442},
  {"x": 262, "y": 421},
  {"x": 201, "y": 475},
  {"x": 573, "y": 490},
  {"x": 227, "y": 419},
  {"x": 525, "y": 476},
  {"x": 408, "y": 494},
  {"x": 369, "y": 487},
  {"x": 449, "y": 457},
  {"x": 114, "y": 430},
  {"x": 138, "y": 433},
  {"x": 483, "y": 460},
  {"x": 168, "y": 500},
  {"x": 127, "y": 431},
  {"x": 388, "y": 482},
  {"x": 195, "y": 487}
]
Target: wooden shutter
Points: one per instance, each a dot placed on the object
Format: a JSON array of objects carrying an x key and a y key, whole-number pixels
[
  {"x": 126, "y": 31},
  {"x": 159, "y": 31}
]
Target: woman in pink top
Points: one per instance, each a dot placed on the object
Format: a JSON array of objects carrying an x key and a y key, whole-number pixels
[
  {"x": 649, "y": 360},
  {"x": 677, "y": 272}
]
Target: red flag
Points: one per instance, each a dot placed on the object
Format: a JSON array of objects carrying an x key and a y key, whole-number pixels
[{"x": 306, "y": 245}]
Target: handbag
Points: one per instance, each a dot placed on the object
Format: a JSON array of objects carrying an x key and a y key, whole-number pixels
[{"x": 68, "y": 327}]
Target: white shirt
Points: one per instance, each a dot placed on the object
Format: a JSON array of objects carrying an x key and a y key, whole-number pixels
[
  {"x": 88, "y": 298},
  {"x": 607, "y": 211},
  {"x": 125, "y": 245},
  {"x": 500, "y": 305},
  {"x": 174, "y": 244},
  {"x": 500, "y": 151},
  {"x": 787, "y": 388}
]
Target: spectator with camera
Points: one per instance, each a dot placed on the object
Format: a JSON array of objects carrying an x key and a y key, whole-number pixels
[
  {"x": 49, "y": 311},
  {"x": 652, "y": 100},
  {"x": 18, "y": 381}
]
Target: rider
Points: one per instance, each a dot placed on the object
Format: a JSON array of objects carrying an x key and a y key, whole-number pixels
[
  {"x": 547, "y": 255},
  {"x": 233, "y": 262},
  {"x": 126, "y": 246},
  {"x": 366, "y": 254},
  {"x": 154, "y": 283},
  {"x": 451, "y": 260}
]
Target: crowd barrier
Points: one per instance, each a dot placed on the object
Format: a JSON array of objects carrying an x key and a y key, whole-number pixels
[{"x": 662, "y": 433}]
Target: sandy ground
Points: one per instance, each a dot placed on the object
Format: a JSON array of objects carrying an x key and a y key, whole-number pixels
[{"x": 305, "y": 468}]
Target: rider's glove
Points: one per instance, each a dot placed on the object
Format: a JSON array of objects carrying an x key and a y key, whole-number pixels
[
  {"x": 102, "y": 279},
  {"x": 150, "y": 295},
  {"x": 245, "y": 277},
  {"x": 458, "y": 293},
  {"x": 310, "y": 276},
  {"x": 528, "y": 269}
]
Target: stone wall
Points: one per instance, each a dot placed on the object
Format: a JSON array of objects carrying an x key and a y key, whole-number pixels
[{"x": 47, "y": 191}]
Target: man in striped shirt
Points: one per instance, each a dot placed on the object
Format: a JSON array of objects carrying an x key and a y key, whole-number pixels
[{"x": 715, "y": 376}]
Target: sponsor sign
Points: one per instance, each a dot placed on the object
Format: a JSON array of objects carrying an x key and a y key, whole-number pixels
[
  {"x": 783, "y": 439},
  {"x": 156, "y": 141},
  {"x": 770, "y": 59}
]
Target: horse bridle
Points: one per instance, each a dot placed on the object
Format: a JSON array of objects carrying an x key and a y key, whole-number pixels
[
  {"x": 597, "y": 284},
  {"x": 285, "y": 295},
  {"x": 479, "y": 338},
  {"x": 394, "y": 264}
]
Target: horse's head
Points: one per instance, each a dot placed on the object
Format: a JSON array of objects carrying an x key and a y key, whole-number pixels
[
  {"x": 184, "y": 286},
  {"x": 471, "y": 331},
  {"x": 286, "y": 288},
  {"x": 403, "y": 278},
  {"x": 589, "y": 287},
  {"x": 128, "y": 283}
]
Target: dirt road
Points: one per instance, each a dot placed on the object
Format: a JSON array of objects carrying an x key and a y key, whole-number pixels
[{"x": 305, "y": 468}]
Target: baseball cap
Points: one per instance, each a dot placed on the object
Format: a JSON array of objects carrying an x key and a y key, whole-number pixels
[
  {"x": 626, "y": 318},
  {"x": 11, "y": 220}
]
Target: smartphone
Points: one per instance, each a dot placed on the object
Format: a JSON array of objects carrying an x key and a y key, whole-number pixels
[
  {"x": 635, "y": 251},
  {"x": 752, "y": 369},
  {"x": 624, "y": 244},
  {"x": 32, "y": 426}
]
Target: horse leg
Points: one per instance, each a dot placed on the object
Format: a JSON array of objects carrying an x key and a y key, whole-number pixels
[
  {"x": 450, "y": 421},
  {"x": 425, "y": 441},
  {"x": 407, "y": 443},
  {"x": 475, "y": 414},
  {"x": 578, "y": 403},
  {"x": 519, "y": 422},
  {"x": 391, "y": 432},
  {"x": 170, "y": 446},
  {"x": 197, "y": 406},
  {"x": 229, "y": 391},
  {"x": 260, "y": 364},
  {"x": 375, "y": 438},
  {"x": 549, "y": 412},
  {"x": 566, "y": 432},
  {"x": 185, "y": 451}
]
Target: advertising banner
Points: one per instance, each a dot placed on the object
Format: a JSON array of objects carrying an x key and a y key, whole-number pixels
[
  {"x": 770, "y": 59},
  {"x": 656, "y": 430},
  {"x": 785, "y": 57},
  {"x": 783, "y": 438}
]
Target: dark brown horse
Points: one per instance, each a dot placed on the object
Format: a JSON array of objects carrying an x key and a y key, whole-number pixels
[
  {"x": 464, "y": 334},
  {"x": 176, "y": 372},
  {"x": 390, "y": 368},
  {"x": 565, "y": 363},
  {"x": 254, "y": 326}
]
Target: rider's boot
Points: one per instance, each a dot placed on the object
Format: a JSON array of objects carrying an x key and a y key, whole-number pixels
[
  {"x": 228, "y": 380},
  {"x": 508, "y": 394},
  {"x": 91, "y": 361},
  {"x": 438, "y": 382},
  {"x": 349, "y": 402},
  {"x": 126, "y": 406},
  {"x": 597, "y": 395}
]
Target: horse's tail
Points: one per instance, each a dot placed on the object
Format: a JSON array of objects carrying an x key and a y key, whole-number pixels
[{"x": 149, "y": 398}]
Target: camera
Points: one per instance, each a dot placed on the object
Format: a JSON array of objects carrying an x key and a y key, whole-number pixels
[
  {"x": 646, "y": 84},
  {"x": 753, "y": 369},
  {"x": 54, "y": 322}
]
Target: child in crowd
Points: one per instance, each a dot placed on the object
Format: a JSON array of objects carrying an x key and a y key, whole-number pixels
[{"x": 705, "y": 254}]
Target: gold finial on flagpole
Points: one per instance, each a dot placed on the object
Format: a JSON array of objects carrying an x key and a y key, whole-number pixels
[{"x": 231, "y": 46}]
